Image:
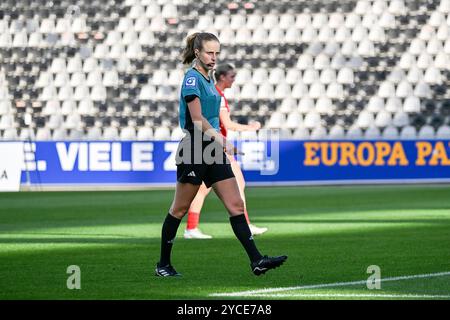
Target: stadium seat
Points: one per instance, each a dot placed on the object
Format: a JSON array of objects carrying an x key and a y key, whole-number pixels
[
  {"x": 376, "y": 104},
  {"x": 265, "y": 91},
  {"x": 404, "y": 90},
  {"x": 317, "y": 90},
  {"x": 411, "y": 104},
  {"x": 148, "y": 92},
  {"x": 59, "y": 134},
  {"x": 10, "y": 134},
  {"x": 426, "y": 132},
  {"x": 249, "y": 91},
  {"x": 414, "y": 75},
  {"x": 238, "y": 21},
  {"x": 335, "y": 91},
  {"x": 312, "y": 120},
  {"x": 277, "y": 76},
  {"x": 61, "y": 79},
  {"x": 436, "y": 19},
  {"x": 443, "y": 132},
  {"x": 393, "y": 104},
  {"x": 331, "y": 48},
  {"x": 365, "y": 119},
  {"x": 324, "y": 105},
  {"x": 94, "y": 133},
  {"x": 287, "y": 105},
  {"x": 27, "y": 134},
  {"x": 232, "y": 135},
  {"x": 128, "y": 133},
  {"x": 372, "y": 133},
  {"x": 354, "y": 133},
  {"x": 352, "y": 20},
  {"x": 434, "y": 46},
  {"x": 400, "y": 119},
  {"x": 305, "y": 61},
  {"x": 396, "y": 76},
  {"x": 177, "y": 134},
  {"x": 293, "y": 35},
  {"x": 51, "y": 107},
  {"x": 305, "y": 105},
  {"x": 43, "y": 134},
  {"x": 444, "y": 6},
  {"x": 223, "y": 20},
  {"x": 282, "y": 90},
  {"x": 153, "y": 10},
  {"x": 162, "y": 133},
  {"x": 432, "y": 75},
  {"x": 65, "y": 93},
  {"x": 275, "y": 34},
  {"x": 345, "y": 76},
  {"x": 337, "y": 132},
  {"x": 111, "y": 133},
  {"x": 328, "y": 76},
  {"x": 325, "y": 34},
  {"x": 260, "y": 76},
  {"x": 145, "y": 133},
  {"x": 310, "y": 76},
  {"x": 253, "y": 22},
  {"x": 441, "y": 60},
  {"x": 286, "y": 20},
  {"x": 318, "y": 133},
  {"x": 55, "y": 121},
  {"x": 387, "y": 89},
  {"x": 383, "y": 119},
  {"x": 5, "y": 107},
  {"x": 348, "y": 47},
  {"x": 422, "y": 90},
  {"x": 385, "y": 58}
]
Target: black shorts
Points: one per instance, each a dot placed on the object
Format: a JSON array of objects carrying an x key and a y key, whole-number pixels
[{"x": 205, "y": 170}]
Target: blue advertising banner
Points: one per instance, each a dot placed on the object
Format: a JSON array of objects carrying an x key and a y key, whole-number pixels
[{"x": 269, "y": 162}]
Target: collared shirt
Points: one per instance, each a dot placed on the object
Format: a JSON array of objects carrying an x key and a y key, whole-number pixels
[{"x": 223, "y": 105}]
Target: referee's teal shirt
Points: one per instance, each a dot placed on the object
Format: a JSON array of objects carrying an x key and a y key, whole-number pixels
[{"x": 194, "y": 83}]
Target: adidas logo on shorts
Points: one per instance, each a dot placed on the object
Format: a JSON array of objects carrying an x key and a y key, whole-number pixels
[{"x": 191, "y": 174}]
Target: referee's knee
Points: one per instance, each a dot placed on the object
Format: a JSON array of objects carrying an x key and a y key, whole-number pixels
[
  {"x": 179, "y": 212},
  {"x": 236, "y": 206}
]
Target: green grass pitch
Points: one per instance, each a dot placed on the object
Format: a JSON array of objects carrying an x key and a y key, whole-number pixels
[{"x": 331, "y": 235}]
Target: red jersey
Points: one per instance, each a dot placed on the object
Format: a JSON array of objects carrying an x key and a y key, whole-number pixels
[{"x": 223, "y": 104}]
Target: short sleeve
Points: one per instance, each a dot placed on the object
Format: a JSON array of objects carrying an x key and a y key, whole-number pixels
[{"x": 190, "y": 86}]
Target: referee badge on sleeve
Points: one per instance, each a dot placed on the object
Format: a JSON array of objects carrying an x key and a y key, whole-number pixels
[{"x": 190, "y": 82}]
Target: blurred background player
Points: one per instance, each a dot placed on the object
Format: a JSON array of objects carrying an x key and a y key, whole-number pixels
[{"x": 225, "y": 75}]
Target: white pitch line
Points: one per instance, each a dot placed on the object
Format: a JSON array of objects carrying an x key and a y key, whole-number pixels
[
  {"x": 350, "y": 295},
  {"x": 325, "y": 285}
]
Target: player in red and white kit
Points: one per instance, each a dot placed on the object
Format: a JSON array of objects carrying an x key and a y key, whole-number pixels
[{"x": 225, "y": 76}]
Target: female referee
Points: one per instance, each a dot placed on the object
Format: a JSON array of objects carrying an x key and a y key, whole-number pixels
[
  {"x": 225, "y": 76},
  {"x": 199, "y": 115}
]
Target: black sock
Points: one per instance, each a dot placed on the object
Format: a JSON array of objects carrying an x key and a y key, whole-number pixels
[
  {"x": 242, "y": 232},
  {"x": 168, "y": 234}
]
